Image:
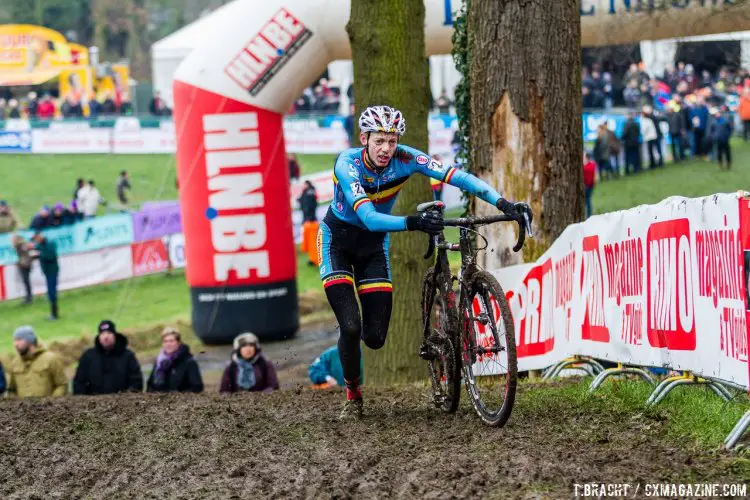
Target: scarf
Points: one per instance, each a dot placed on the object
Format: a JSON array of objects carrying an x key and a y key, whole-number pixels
[
  {"x": 246, "y": 373},
  {"x": 164, "y": 363}
]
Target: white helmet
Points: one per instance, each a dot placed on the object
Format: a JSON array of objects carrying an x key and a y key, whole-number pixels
[{"x": 382, "y": 119}]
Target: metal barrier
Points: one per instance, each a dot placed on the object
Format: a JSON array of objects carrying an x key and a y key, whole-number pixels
[{"x": 620, "y": 370}]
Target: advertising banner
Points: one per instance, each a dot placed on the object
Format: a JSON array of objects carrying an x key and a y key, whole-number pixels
[
  {"x": 64, "y": 140},
  {"x": 76, "y": 271},
  {"x": 144, "y": 141},
  {"x": 176, "y": 246},
  {"x": 660, "y": 285},
  {"x": 15, "y": 142},
  {"x": 149, "y": 257},
  {"x": 157, "y": 221},
  {"x": 92, "y": 234}
]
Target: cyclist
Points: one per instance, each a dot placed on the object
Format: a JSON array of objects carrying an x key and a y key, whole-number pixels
[{"x": 353, "y": 239}]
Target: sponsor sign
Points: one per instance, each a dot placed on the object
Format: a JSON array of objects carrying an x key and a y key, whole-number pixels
[
  {"x": 156, "y": 221},
  {"x": 149, "y": 257},
  {"x": 15, "y": 142}
]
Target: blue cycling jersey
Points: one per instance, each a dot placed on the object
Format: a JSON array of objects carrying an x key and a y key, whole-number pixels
[{"x": 364, "y": 196}]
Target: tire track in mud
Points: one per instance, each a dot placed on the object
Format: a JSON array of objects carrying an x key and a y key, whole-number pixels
[{"x": 291, "y": 444}]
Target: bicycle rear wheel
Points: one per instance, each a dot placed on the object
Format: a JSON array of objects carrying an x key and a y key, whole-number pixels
[
  {"x": 442, "y": 339},
  {"x": 488, "y": 350}
]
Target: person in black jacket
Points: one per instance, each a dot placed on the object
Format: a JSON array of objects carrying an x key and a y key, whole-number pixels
[
  {"x": 308, "y": 203},
  {"x": 631, "y": 137},
  {"x": 109, "y": 367},
  {"x": 175, "y": 369},
  {"x": 2, "y": 380},
  {"x": 677, "y": 129}
]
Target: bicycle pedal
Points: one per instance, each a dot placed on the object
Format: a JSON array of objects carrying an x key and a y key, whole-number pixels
[{"x": 426, "y": 353}]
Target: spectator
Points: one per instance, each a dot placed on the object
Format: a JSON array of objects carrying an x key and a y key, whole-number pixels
[
  {"x": 126, "y": 107},
  {"x": 123, "y": 184},
  {"x": 156, "y": 106},
  {"x": 650, "y": 134},
  {"x": 95, "y": 107},
  {"x": 699, "y": 123},
  {"x": 41, "y": 220},
  {"x": 175, "y": 369},
  {"x": 71, "y": 214},
  {"x": 26, "y": 253},
  {"x": 614, "y": 146},
  {"x": 3, "y": 108},
  {"x": 677, "y": 128},
  {"x": 249, "y": 370},
  {"x": 50, "y": 268},
  {"x": 326, "y": 370},
  {"x": 109, "y": 367},
  {"x": 80, "y": 184},
  {"x": 443, "y": 103},
  {"x": 721, "y": 133},
  {"x": 589, "y": 180},
  {"x": 32, "y": 105},
  {"x": 58, "y": 215},
  {"x": 46, "y": 108},
  {"x": 744, "y": 112},
  {"x": 601, "y": 151},
  {"x": 108, "y": 105},
  {"x": 35, "y": 372},
  {"x": 8, "y": 220},
  {"x": 89, "y": 200},
  {"x": 294, "y": 169},
  {"x": 308, "y": 203},
  {"x": 349, "y": 124},
  {"x": 2, "y": 380},
  {"x": 608, "y": 91},
  {"x": 631, "y": 135},
  {"x": 631, "y": 95},
  {"x": 14, "y": 111}
]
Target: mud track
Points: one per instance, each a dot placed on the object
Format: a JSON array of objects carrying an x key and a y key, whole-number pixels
[{"x": 290, "y": 444}]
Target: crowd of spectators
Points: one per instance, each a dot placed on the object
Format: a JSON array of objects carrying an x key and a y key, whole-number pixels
[
  {"x": 47, "y": 107},
  {"x": 110, "y": 367}
]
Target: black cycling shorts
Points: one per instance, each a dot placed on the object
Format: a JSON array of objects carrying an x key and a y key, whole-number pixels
[{"x": 352, "y": 255}]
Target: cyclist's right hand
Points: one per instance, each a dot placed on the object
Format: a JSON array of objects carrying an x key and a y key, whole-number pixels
[{"x": 428, "y": 222}]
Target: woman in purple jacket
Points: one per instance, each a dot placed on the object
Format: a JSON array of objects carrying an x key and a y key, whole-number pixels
[{"x": 249, "y": 370}]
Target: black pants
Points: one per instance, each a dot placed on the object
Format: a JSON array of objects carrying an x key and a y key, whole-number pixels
[
  {"x": 655, "y": 146},
  {"x": 724, "y": 150},
  {"x": 632, "y": 159},
  {"x": 698, "y": 145},
  {"x": 25, "y": 277},
  {"x": 678, "y": 152},
  {"x": 745, "y": 129},
  {"x": 351, "y": 256}
]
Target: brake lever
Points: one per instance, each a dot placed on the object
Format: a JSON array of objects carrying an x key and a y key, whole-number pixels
[
  {"x": 527, "y": 223},
  {"x": 430, "y": 246}
]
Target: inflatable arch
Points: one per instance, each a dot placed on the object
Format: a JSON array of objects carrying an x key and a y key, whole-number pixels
[{"x": 230, "y": 95}]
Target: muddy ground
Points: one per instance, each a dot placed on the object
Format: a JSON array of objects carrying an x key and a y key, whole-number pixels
[{"x": 291, "y": 445}]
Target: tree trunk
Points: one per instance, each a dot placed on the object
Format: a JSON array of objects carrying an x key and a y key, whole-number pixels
[
  {"x": 526, "y": 116},
  {"x": 388, "y": 54}
]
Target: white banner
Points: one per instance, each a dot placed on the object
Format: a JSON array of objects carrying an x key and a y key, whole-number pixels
[
  {"x": 67, "y": 140},
  {"x": 176, "y": 246},
  {"x": 76, "y": 271},
  {"x": 144, "y": 141},
  {"x": 661, "y": 285}
]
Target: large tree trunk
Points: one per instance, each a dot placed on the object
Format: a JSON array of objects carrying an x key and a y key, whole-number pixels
[
  {"x": 526, "y": 116},
  {"x": 388, "y": 53}
]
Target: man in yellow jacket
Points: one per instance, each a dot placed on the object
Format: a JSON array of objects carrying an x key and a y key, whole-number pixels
[{"x": 36, "y": 372}]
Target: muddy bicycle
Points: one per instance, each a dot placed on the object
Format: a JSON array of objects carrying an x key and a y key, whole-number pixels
[{"x": 468, "y": 332}]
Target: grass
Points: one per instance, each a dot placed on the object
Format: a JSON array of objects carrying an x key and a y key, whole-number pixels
[
  {"x": 690, "y": 414},
  {"x": 691, "y": 179},
  {"x": 30, "y": 181}
]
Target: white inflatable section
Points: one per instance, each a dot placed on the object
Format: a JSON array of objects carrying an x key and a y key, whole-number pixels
[{"x": 206, "y": 67}]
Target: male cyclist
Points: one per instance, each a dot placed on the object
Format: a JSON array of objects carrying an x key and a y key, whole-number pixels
[{"x": 353, "y": 238}]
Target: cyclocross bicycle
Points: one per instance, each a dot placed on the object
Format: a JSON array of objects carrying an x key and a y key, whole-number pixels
[{"x": 470, "y": 334}]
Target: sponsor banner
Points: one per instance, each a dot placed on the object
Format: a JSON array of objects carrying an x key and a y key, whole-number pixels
[
  {"x": 149, "y": 257},
  {"x": 156, "y": 221},
  {"x": 15, "y": 142},
  {"x": 660, "y": 285},
  {"x": 91, "y": 234},
  {"x": 615, "y": 123},
  {"x": 143, "y": 141},
  {"x": 176, "y": 246},
  {"x": 84, "y": 140},
  {"x": 2, "y": 283},
  {"x": 76, "y": 271}
]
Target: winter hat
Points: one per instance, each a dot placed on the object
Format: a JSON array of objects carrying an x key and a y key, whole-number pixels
[
  {"x": 25, "y": 333},
  {"x": 244, "y": 339},
  {"x": 107, "y": 326},
  {"x": 59, "y": 206}
]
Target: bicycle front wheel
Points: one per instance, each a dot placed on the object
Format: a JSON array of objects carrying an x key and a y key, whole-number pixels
[
  {"x": 441, "y": 339},
  {"x": 488, "y": 350}
]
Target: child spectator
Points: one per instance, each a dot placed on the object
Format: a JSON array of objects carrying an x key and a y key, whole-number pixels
[
  {"x": 249, "y": 370},
  {"x": 175, "y": 369},
  {"x": 589, "y": 180}
]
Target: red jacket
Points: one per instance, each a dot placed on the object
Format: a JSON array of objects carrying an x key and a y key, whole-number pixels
[
  {"x": 589, "y": 174},
  {"x": 45, "y": 109}
]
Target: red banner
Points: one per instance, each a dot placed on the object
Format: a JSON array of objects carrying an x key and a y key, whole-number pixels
[{"x": 150, "y": 257}]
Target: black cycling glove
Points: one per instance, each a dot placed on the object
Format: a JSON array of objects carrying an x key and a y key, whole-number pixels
[
  {"x": 428, "y": 222},
  {"x": 515, "y": 210}
]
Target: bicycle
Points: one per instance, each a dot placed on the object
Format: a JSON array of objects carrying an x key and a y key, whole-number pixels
[{"x": 472, "y": 335}]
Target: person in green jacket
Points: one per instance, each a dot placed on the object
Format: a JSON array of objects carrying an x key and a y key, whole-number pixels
[
  {"x": 35, "y": 372},
  {"x": 50, "y": 267}
]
